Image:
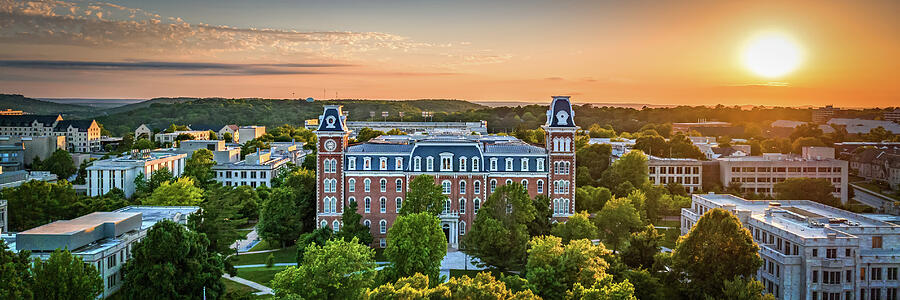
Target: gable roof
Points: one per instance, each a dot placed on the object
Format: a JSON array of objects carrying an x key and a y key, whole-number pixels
[
  {"x": 27, "y": 120},
  {"x": 81, "y": 125}
]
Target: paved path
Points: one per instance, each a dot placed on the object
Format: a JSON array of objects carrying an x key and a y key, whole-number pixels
[
  {"x": 456, "y": 260},
  {"x": 263, "y": 265},
  {"x": 260, "y": 251},
  {"x": 263, "y": 290},
  {"x": 245, "y": 244}
]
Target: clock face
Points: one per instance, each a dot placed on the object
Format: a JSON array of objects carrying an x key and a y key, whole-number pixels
[{"x": 330, "y": 145}]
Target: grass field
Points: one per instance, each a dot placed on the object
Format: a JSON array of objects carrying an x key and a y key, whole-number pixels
[
  {"x": 263, "y": 245},
  {"x": 285, "y": 255},
  {"x": 231, "y": 286},
  {"x": 261, "y": 275}
]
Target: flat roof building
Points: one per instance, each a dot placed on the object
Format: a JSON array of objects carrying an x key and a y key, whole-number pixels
[
  {"x": 222, "y": 154},
  {"x": 105, "y": 175},
  {"x": 685, "y": 171},
  {"x": 759, "y": 174},
  {"x": 811, "y": 250},
  {"x": 257, "y": 169},
  {"x": 248, "y": 133}
]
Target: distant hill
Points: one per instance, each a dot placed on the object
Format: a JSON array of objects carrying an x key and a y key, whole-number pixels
[
  {"x": 162, "y": 112},
  {"x": 38, "y": 107},
  {"x": 96, "y": 103}
]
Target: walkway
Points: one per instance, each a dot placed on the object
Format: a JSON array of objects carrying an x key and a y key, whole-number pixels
[
  {"x": 245, "y": 244},
  {"x": 457, "y": 260},
  {"x": 263, "y": 265},
  {"x": 263, "y": 290}
]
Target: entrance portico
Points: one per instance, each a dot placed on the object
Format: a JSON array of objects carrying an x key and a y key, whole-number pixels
[{"x": 451, "y": 231}]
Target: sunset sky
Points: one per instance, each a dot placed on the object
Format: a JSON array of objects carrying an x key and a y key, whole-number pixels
[{"x": 654, "y": 52}]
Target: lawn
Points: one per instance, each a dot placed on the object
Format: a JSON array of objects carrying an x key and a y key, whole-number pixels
[
  {"x": 263, "y": 245},
  {"x": 261, "y": 275},
  {"x": 285, "y": 255},
  {"x": 231, "y": 286},
  {"x": 669, "y": 237}
]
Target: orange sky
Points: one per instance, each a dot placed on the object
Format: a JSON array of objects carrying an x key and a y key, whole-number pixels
[{"x": 654, "y": 52}]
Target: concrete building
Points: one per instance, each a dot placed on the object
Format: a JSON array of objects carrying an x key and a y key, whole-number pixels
[
  {"x": 12, "y": 156},
  {"x": 685, "y": 171},
  {"x": 248, "y": 133},
  {"x": 863, "y": 126},
  {"x": 811, "y": 250},
  {"x": 221, "y": 153},
  {"x": 220, "y": 130},
  {"x": 81, "y": 135},
  {"x": 16, "y": 178},
  {"x": 4, "y": 216},
  {"x": 823, "y": 114},
  {"x": 430, "y": 128},
  {"x": 467, "y": 167},
  {"x": 759, "y": 174},
  {"x": 257, "y": 169},
  {"x": 34, "y": 146},
  {"x": 105, "y": 240},
  {"x": 120, "y": 172},
  {"x": 292, "y": 150},
  {"x": 169, "y": 138}
]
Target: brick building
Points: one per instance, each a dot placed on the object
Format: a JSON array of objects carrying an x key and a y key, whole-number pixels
[{"x": 376, "y": 174}]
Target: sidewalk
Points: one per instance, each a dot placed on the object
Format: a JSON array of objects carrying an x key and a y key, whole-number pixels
[
  {"x": 263, "y": 290},
  {"x": 245, "y": 244},
  {"x": 456, "y": 260}
]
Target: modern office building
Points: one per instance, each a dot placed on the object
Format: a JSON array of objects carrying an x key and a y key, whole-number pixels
[
  {"x": 257, "y": 169},
  {"x": 81, "y": 135},
  {"x": 469, "y": 168},
  {"x": 104, "y": 240},
  {"x": 34, "y": 146},
  {"x": 170, "y": 137},
  {"x": 812, "y": 251},
  {"x": 221, "y": 154},
  {"x": 248, "y": 133},
  {"x": 120, "y": 172},
  {"x": 759, "y": 174},
  {"x": 823, "y": 114},
  {"x": 685, "y": 171}
]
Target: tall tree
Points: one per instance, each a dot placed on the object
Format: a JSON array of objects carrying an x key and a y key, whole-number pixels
[
  {"x": 423, "y": 195},
  {"x": 591, "y": 199},
  {"x": 199, "y": 167},
  {"x": 366, "y": 134},
  {"x": 416, "y": 244},
  {"x": 631, "y": 168},
  {"x": 36, "y": 203},
  {"x": 353, "y": 227},
  {"x": 642, "y": 248},
  {"x": 717, "y": 247},
  {"x": 278, "y": 218},
  {"x": 302, "y": 183},
  {"x": 815, "y": 189},
  {"x": 143, "y": 144},
  {"x": 338, "y": 270},
  {"x": 499, "y": 236},
  {"x": 180, "y": 192},
  {"x": 173, "y": 263},
  {"x": 15, "y": 274},
  {"x": 65, "y": 276},
  {"x": 578, "y": 227},
  {"x": 744, "y": 289},
  {"x": 60, "y": 163},
  {"x": 595, "y": 158},
  {"x": 616, "y": 221},
  {"x": 541, "y": 224},
  {"x": 554, "y": 267},
  {"x": 218, "y": 219}
]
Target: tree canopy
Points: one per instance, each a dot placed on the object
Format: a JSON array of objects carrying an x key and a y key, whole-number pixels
[
  {"x": 499, "y": 235},
  {"x": 178, "y": 193},
  {"x": 279, "y": 220},
  {"x": 337, "y": 270},
  {"x": 815, "y": 189},
  {"x": 423, "y": 195},
  {"x": 65, "y": 276},
  {"x": 416, "y": 244},
  {"x": 579, "y": 226},
  {"x": 554, "y": 267},
  {"x": 199, "y": 167},
  {"x": 616, "y": 221},
  {"x": 353, "y": 227}
]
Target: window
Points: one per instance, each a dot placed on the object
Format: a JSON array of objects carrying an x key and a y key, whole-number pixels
[
  {"x": 382, "y": 226},
  {"x": 525, "y": 184},
  {"x": 476, "y": 187},
  {"x": 399, "y": 183},
  {"x": 540, "y": 164},
  {"x": 509, "y": 164},
  {"x": 382, "y": 164},
  {"x": 523, "y": 166},
  {"x": 383, "y": 185},
  {"x": 429, "y": 164},
  {"x": 446, "y": 186},
  {"x": 475, "y": 166},
  {"x": 876, "y": 274},
  {"x": 476, "y": 205},
  {"x": 336, "y": 226},
  {"x": 891, "y": 273},
  {"x": 876, "y": 242},
  {"x": 382, "y": 205},
  {"x": 815, "y": 252},
  {"x": 367, "y": 163},
  {"x": 508, "y": 181},
  {"x": 417, "y": 163},
  {"x": 462, "y": 207},
  {"x": 326, "y": 206},
  {"x": 352, "y": 200},
  {"x": 831, "y": 253},
  {"x": 540, "y": 186},
  {"x": 323, "y": 224},
  {"x": 398, "y": 163},
  {"x": 382, "y": 242},
  {"x": 462, "y": 227},
  {"x": 367, "y": 223},
  {"x": 493, "y": 185},
  {"x": 446, "y": 162},
  {"x": 462, "y": 164},
  {"x": 493, "y": 164},
  {"x": 351, "y": 185},
  {"x": 815, "y": 276},
  {"x": 368, "y": 202},
  {"x": 447, "y": 206},
  {"x": 462, "y": 187},
  {"x": 399, "y": 204},
  {"x": 367, "y": 184}
]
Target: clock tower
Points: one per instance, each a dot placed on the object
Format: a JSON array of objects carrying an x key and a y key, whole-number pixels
[
  {"x": 333, "y": 137},
  {"x": 560, "y": 145}
]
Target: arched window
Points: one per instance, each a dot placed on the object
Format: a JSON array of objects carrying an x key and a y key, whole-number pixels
[
  {"x": 429, "y": 163},
  {"x": 493, "y": 185},
  {"x": 324, "y": 224},
  {"x": 540, "y": 186},
  {"x": 475, "y": 164},
  {"x": 417, "y": 163},
  {"x": 476, "y": 187},
  {"x": 462, "y": 205},
  {"x": 525, "y": 184},
  {"x": 336, "y": 226},
  {"x": 382, "y": 226},
  {"x": 326, "y": 207},
  {"x": 462, "y": 164},
  {"x": 399, "y": 204},
  {"x": 367, "y": 185},
  {"x": 333, "y": 204},
  {"x": 523, "y": 166},
  {"x": 352, "y": 200},
  {"x": 462, "y": 227},
  {"x": 368, "y": 205},
  {"x": 351, "y": 185},
  {"x": 382, "y": 205},
  {"x": 447, "y": 206},
  {"x": 446, "y": 186},
  {"x": 462, "y": 187},
  {"x": 555, "y": 206},
  {"x": 399, "y": 183},
  {"x": 508, "y": 181},
  {"x": 476, "y": 205},
  {"x": 367, "y": 223},
  {"x": 383, "y": 185}
]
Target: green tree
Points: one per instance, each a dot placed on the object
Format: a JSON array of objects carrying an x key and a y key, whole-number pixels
[
  {"x": 302, "y": 184},
  {"x": 631, "y": 168},
  {"x": 142, "y": 186},
  {"x": 366, "y": 134},
  {"x": 218, "y": 219},
  {"x": 744, "y": 289},
  {"x": 483, "y": 286},
  {"x": 199, "y": 167},
  {"x": 597, "y": 131},
  {"x": 542, "y": 214},
  {"x": 717, "y": 247},
  {"x": 65, "y": 276},
  {"x": 112, "y": 200},
  {"x": 60, "y": 163},
  {"x": 142, "y": 144},
  {"x": 15, "y": 275},
  {"x": 653, "y": 145},
  {"x": 317, "y": 237},
  {"x": 180, "y": 192},
  {"x": 213, "y": 135},
  {"x": 36, "y": 203},
  {"x": 353, "y": 226},
  {"x": 578, "y": 227},
  {"x": 554, "y": 267},
  {"x": 616, "y": 221},
  {"x": 591, "y": 199},
  {"x": 278, "y": 219},
  {"x": 416, "y": 244},
  {"x": 499, "y": 236},
  {"x": 642, "y": 248},
  {"x": 809, "y": 130},
  {"x": 338, "y": 270},
  {"x": 682, "y": 147},
  {"x": 603, "y": 289},
  {"x": 228, "y": 137},
  {"x": 423, "y": 195},
  {"x": 879, "y": 134},
  {"x": 800, "y": 143},
  {"x": 815, "y": 189},
  {"x": 173, "y": 263},
  {"x": 127, "y": 143},
  {"x": 595, "y": 158}
]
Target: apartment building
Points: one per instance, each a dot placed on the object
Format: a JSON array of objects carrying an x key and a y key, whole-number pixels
[
  {"x": 170, "y": 137},
  {"x": 685, "y": 171},
  {"x": 105, "y": 240},
  {"x": 759, "y": 174},
  {"x": 105, "y": 175},
  {"x": 257, "y": 169},
  {"x": 812, "y": 251},
  {"x": 81, "y": 135},
  {"x": 248, "y": 133},
  {"x": 878, "y": 165}
]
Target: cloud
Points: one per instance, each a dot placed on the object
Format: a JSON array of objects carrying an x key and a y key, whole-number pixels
[{"x": 189, "y": 69}]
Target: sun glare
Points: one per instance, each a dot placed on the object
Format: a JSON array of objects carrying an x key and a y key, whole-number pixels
[{"x": 772, "y": 55}]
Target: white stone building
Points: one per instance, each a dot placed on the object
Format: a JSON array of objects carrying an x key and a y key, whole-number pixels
[
  {"x": 221, "y": 154},
  {"x": 759, "y": 174},
  {"x": 247, "y": 133},
  {"x": 811, "y": 250},
  {"x": 171, "y": 136},
  {"x": 257, "y": 169},
  {"x": 685, "y": 171},
  {"x": 120, "y": 172}
]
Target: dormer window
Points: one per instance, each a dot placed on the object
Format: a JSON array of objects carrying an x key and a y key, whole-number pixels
[
  {"x": 398, "y": 163},
  {"x": 382, "y": 165},
  {"x": 462, "y": 164},
  {"x": 509, "y": 164},
  {"x": 429, "y": 163},
  {"x": 524, "y": 165},
  {"x": 446, "y": 161},
  {"x": 417, "y": 163},
  {"x": 475, "y": 164},
  {"x": 540, "y": 164},
  {"x": 494, "y": 164},
  {"x": 367, "y": 163}
]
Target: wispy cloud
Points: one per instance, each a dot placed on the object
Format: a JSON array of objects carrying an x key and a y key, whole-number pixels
[{"x": 190, "y": 69}]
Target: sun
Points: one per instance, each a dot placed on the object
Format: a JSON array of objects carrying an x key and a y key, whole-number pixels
[{"x": 772, "y": 55}]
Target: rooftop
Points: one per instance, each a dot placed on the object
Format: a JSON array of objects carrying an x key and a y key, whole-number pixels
[
  {"x": 153, "y": 214},
  {"x": 86, "y": 222}
]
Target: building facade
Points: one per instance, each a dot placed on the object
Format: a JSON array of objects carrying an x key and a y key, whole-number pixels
[
  {"x": 81, "y": 135},
  {"x": 759, "y": 174},
  {"x": 105, "y": 175},
  {"x": 823, "y": 114},
  {"x": 467, "y": 167},
  {"x": 221, "y": 154},
  {"x": 170, "y": 137},
  {"x": 811, "y": 250},
  {"x": 257, "y": 169},
  {"x": 248, "y": 133},
  {"x": 432, "y": 128},
  {"x": 685, "y": 171},
  {"x": 4, "y": 216}
]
